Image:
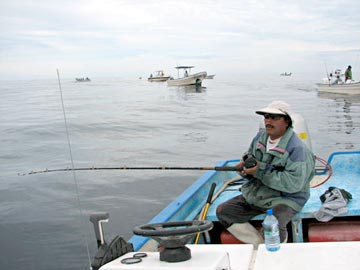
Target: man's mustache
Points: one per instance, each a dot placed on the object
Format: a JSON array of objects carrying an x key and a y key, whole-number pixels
[{"x": 269, "y": 126}]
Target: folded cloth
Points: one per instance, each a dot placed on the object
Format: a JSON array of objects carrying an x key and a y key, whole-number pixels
[{"x": 334, "y": 204}]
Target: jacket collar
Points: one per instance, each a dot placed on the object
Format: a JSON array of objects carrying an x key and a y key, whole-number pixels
[{"x": 281, "y": 148}]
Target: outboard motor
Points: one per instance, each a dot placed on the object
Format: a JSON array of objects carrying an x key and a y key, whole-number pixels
[
  {"x": 300, "y": 128},
  {"x": 106, "y": 253}
]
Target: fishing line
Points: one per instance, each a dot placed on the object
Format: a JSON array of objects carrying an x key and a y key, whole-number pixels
[
  {"x": 356, "y": 63},
  {"x": 73, "y": 171}
]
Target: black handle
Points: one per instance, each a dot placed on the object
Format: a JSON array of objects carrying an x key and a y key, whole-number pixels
[{"x": 212, "y": 188}]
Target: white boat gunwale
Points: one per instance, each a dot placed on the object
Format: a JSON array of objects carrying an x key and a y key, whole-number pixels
[{"x": 320, "y": 255}]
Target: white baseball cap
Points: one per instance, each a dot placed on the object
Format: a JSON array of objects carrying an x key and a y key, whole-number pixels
[{"x": 276, "y": 107}]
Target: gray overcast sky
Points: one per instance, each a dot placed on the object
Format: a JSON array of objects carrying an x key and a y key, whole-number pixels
[{"x": 135, "y": 37}]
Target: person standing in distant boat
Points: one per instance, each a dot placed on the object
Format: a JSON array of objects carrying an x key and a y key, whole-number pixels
[
  {"x": 186, "y": 73},
  {"x": 279, "y": 180},
  {"x": 348, "y": 74}
]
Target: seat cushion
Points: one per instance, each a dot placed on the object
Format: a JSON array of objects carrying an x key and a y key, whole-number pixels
[{"x": 228, "y": 238}]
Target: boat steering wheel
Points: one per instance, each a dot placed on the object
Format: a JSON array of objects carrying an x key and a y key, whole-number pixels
[
  {"x": 181, "y": 228},
  {"x": 172, "y": 237}
]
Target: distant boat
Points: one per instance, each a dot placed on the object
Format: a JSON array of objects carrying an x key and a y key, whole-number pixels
[
  {"x": 210, "y": 76},
  {"x": 82, "y": 79},
  {"x": 351, "y": 88},
  {"x": 286, "y": 74},
  {"x": 334, "y": 84},
  {"x": 158, "y": 76},
  {"x": 187, "y": 79}
]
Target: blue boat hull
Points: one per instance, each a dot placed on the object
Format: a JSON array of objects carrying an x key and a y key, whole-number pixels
[{"x": 187, "y": 206}]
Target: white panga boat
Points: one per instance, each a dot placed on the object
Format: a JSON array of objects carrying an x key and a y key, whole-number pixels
[
  {"x": 186, "y": 235},
  {"x": 187, "y": 79},
  {"x": 82, "y": 79},
  {"x": 158, "y": 76},
  {"x": 286, "y": 74},
  {"x": 335, "y": 84}
]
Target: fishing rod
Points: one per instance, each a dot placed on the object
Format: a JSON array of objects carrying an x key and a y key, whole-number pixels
[
  {"x": 216, "y": 168},
  {"x": 327, "y": 73}
]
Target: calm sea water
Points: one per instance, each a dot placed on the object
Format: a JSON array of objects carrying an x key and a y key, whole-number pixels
[{"x": 116, "y": 122}]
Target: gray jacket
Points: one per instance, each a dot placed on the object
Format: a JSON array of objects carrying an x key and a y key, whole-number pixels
[{"x": 283, "y": 175}]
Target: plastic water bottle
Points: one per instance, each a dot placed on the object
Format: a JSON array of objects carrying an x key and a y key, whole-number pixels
[{"x": 271, "y": 231}]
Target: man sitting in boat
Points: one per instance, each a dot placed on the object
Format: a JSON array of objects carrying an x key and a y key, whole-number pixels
[
  {"x": 279, "y": 180},
  {"x": 348, "y": 74}
]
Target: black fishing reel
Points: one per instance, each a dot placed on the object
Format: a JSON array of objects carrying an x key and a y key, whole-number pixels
[{"x": 249, "y": 161}]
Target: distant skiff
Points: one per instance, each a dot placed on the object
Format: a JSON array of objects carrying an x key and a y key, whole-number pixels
[
  {"x": 352, "y": 88},
  {"x": 187, "y": 79},
  {"x": 158, "y": 76},
  {"x": 335, "y": 84}
]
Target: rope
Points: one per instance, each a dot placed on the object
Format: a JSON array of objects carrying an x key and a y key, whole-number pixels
[{"x": 327, "y": 168}]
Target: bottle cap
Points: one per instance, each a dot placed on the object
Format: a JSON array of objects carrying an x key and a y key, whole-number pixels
[{"x": 269, "y": 211}]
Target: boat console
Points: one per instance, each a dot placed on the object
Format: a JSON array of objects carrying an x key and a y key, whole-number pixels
[{"x": 204, "y": 257}]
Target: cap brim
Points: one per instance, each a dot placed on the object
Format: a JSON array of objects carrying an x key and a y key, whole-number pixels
[{"x": 271, "y": 111}]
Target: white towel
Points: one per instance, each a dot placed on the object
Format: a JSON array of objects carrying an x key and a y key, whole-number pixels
[{"x": 334, "y": 205}]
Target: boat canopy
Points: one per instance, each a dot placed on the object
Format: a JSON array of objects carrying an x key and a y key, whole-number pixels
[{"x": 183, "y": 67}]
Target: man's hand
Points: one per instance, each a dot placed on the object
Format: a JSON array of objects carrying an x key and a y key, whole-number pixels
[
  {"x": 250, "y": 171},
  {"x": 246, "y": 171},
  {"x": 240, "y": 165}
]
